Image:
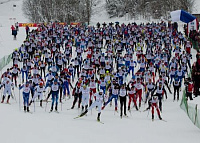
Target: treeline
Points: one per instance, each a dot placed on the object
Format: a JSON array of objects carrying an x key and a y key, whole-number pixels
[
  {"x": 146, "y": 8},
  {"x": 58, "y": 10}
]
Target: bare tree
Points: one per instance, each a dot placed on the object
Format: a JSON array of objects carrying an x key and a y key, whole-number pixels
[
  {"x": 58, "y": 10},
  {"x": 147, "y": 8}
]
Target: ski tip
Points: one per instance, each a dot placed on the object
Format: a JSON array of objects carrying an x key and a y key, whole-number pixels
[{"x": 100, "y": 122}]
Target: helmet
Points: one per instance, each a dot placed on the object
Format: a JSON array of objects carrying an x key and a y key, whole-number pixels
[{"x": 41, "y": 84}]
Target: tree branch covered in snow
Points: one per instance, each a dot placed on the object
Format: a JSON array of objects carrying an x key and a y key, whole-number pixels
[
  {"x": 146, "y": 8},
  {"x": 59, "y": 10}
]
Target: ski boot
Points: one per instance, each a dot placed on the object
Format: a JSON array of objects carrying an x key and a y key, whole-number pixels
[
  {"x": 136, "y": 108},
  {"x": 139, "y": 104},
  {"x": 51, "y": 109},
  {"x": 152, "y": 117},
  {"x": 8, "y": 99},
  {"x": 24, "y": 108},
  {"x": 82, "y": 109},
  {"x": 40, "y": 103},
  {"x": 90, "y": 102},
  {"x": 72, "y": 107},
  {"x": 82, "y": 114},
  {"x": 86, "y": 107},
  {"x": 3, "y": 99},
  {"x": 56, "y": 107},
  {"x": 28, "y": 109},
  {"x": 116, "y": 109},
  {"x": 98, "y": 117},
  {"x": 159, "y": 117}
]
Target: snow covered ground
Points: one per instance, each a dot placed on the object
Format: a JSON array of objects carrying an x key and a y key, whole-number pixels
[
  {"x": 7, "y": 15},
  {"x": 41, "y": 126},
  {"x": 100, "y": 15}
]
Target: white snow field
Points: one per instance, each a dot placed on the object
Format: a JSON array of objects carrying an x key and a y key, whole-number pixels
[
  {"x": 44, "y": 127},
  {"x": 8, "y": 16}
]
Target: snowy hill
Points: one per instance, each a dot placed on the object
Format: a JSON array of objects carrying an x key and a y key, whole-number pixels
[
  {"x": 100, "y": 15},
  {"x": 44, "y": 127},
  {"x": 8, "y": 16}
]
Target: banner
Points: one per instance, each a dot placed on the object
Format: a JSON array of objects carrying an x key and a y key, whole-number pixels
[
  {"x": 181, "y": 15},
  {"x": 28, "y": 24},
  {"x": 192, "y": 26},
  {"x": 36, "y": 24},
  {"x": 75, "y": 23}
]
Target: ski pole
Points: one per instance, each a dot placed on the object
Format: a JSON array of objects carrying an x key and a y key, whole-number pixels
[
  {"x": 46, "y": 106},
  {"x": 148, "y": 113},
  {"x": 34, "y": 105},
  {"x": 61, "y": 105},
  {"x": 14, "y": 96},
  {"x": 19, "y": 101}
]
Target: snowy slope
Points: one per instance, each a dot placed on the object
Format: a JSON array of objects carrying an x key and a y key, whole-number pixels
[
  {"x": 7, "y": 11},
  {"x": 100, "y": 15},
  {"x": 44, "y": 127}
]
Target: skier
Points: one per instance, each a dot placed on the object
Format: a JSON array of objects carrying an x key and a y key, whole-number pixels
[
  {"x": 154, "y": 104},
  {"x": 122, "y": 97},
  {"x": 26, "y": 93},
  {"x": 54, "y": 92},
  {"x": 132, "y": 97},
  {"x": 138, "y": 87},
  {"x": 8, "y": 85},
  {"x": 77, "y": 95},
  {"x": 159, "y": 92},
  {"x": 189, "y": 88},
  {"x": 177, "y": 86},
  {"x": 115, "y": 91},
  {"x": 38, "y": 91},
  {"x": 92, "y": 89},
  {"x": 98, "y": 103},
  {"x": 85, "y": 97}
]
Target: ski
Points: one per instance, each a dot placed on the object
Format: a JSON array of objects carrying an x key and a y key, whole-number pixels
[
  {"x": 100, "y": 122},
  {"x": 6, "y": 103},
  {"x": 163, "y": 120},
  {"x": 146, "y": 110},
  {"x": 56, "y": 112},
  {"x": 28, "y": 112},
  {"x": 130, "y": 112},
  {"x": 78, "y": 117},
  {"x": 160, "y": 120},
  {"x": 125, "y": 116}
]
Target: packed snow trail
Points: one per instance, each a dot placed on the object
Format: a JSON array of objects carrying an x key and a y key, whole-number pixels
[{"x": 17, "y": 126}]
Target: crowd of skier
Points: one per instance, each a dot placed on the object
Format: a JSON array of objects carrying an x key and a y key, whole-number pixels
[{"x": 94, "y": 65}]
